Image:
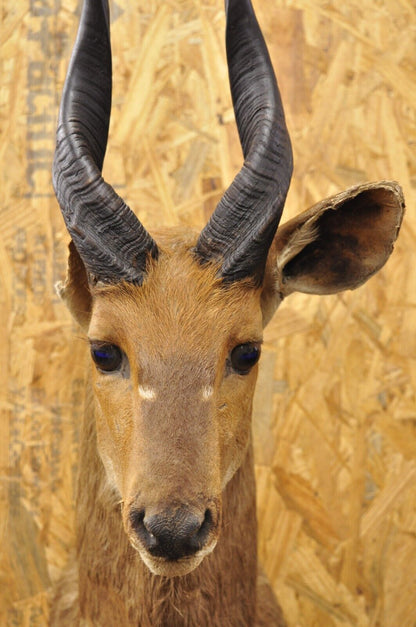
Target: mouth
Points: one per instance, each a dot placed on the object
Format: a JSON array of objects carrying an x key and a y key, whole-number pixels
[
  {"x": 166, "y": 567},
  {"x": 173, "y": 540}
]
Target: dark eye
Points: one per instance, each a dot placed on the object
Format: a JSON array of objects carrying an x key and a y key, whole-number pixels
[
  {"x": 107, "y": 357},
  {"x": 244, "y": 357}
]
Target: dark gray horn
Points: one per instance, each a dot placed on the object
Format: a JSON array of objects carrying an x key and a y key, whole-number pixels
[
  {"x": 111, "y": 241},
  {"x": 242, "y": 227}
]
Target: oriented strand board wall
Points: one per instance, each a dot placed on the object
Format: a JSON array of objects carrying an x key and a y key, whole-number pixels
[{"x": 335, "y": 424}]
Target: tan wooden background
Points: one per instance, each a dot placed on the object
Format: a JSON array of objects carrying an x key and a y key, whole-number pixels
[{"x": 335, "y": 416}]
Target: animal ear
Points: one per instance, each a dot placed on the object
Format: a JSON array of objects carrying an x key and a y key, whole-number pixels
[
  {"x": 75, "y": 291},
  {"x": 335, "y": 245}
]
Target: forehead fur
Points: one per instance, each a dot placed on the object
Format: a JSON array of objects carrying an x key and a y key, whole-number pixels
[{"x": 179, "y": 298}]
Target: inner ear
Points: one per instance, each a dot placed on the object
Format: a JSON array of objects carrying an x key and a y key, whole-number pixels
[
  {"x": 335, "y": 245},
  {"x": 75, "y": 291},
  {"x": 351, "y": 240}
]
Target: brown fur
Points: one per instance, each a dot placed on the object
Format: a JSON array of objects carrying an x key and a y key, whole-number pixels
[
  {"x": 140, "y": 442},
  {"x": 116, "y": 588},
  {"x": 174, "y": 427}
]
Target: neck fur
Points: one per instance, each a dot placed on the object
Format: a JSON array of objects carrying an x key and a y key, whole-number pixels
[{"x": 114, "y": 582}]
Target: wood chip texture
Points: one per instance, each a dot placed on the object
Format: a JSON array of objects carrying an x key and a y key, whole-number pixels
[{"x": 335, "y": 410}]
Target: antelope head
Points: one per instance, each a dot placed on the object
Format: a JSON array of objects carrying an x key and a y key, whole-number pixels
[{"x": 175, "y": 327}]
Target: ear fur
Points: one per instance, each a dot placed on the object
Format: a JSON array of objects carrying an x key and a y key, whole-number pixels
[
  {"x": 75, "y": 291},
  {"x": 335, "y": 245}
]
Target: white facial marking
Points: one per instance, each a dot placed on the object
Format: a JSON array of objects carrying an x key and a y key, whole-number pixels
[
  {"x": 147, "y": 394},
  {"x": 110, "y": 470},
  {"x": 207, "y": 392},
  {"x": 231, "y": 470}
]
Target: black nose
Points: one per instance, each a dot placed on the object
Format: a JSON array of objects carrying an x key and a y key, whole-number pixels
[{"x": 172, "y": 535}]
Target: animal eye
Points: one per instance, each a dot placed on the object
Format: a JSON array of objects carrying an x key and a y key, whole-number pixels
[
  {"x": 107, "y": 357},
  {"x": 244, "y": 357}
]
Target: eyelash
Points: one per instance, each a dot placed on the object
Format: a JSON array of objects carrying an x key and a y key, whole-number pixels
[
  {"x": 244, "y": 357},
  {"x": 109, "y": 358}
]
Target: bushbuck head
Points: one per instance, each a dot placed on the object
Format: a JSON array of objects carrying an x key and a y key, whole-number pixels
[{"x": 175, "y": 327}]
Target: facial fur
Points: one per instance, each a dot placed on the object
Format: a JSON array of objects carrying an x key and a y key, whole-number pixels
[{"x": 173, "y": 421}]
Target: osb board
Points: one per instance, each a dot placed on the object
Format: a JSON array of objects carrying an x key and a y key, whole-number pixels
[{"x": 335, "y": 413}]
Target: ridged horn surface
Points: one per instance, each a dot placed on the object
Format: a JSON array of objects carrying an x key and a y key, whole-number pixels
[
  {"x": 244, "y": 222},
  {"x": 111, "y": 241}
]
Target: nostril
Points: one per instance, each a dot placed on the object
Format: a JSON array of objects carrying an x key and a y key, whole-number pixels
[
  {"x": 172, "y": 535},
  {"x": 137, "y": 521},
  {"x": 200, "y": 536},
  {"x": 207, "y": 522}
]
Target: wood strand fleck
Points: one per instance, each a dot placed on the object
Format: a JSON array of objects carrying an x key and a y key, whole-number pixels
[{"x": 335, "y": 411}]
